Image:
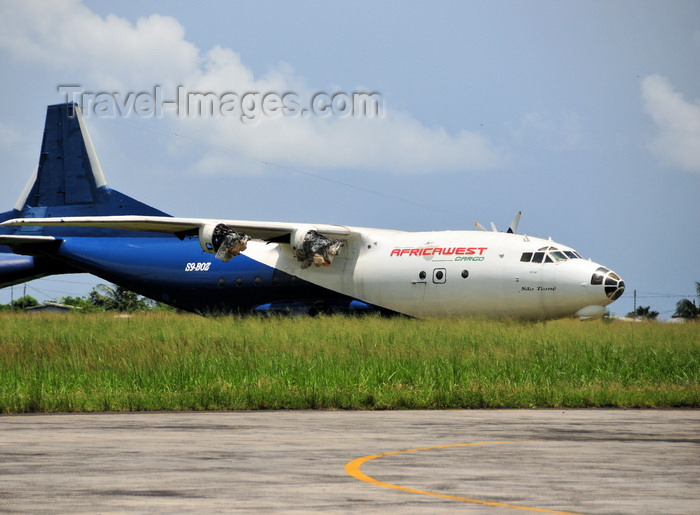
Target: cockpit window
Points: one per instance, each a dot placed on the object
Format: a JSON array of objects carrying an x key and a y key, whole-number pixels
[{"x": 549, "y": 255}]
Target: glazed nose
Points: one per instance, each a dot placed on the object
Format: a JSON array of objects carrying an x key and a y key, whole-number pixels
[{"x": 613, "y": 283}]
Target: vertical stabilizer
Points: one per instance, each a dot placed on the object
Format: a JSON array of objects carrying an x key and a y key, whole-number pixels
[
  {"x": 65, "y": 175},
  {"x": 69, "y": 180}
]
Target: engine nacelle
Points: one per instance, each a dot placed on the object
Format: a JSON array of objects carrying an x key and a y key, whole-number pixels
[
  {"x": 312, "y": 248},
  {"x": 206, "y": 235},
  {"x": 221, "y": 240}
]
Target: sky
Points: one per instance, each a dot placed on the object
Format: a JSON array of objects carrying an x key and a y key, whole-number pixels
[{"x": 583, "y": 115}]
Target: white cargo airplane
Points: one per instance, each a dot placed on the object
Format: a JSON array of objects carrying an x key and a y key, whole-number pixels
[{"x": 68, "y": 220}]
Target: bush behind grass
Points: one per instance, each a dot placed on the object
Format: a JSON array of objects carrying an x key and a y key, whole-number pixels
[{"x": 165, "y": 361}]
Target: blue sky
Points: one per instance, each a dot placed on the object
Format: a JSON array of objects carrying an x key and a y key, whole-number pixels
[{"x": 584, "y": 115}]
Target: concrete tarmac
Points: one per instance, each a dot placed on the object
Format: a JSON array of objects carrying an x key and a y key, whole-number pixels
[{"x": 573, "y": 461}]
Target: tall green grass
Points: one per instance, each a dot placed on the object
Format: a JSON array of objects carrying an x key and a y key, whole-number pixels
[{"x": 57, "y": 363}]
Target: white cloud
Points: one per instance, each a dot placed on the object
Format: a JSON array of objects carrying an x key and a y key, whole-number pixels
[
  {"x": 677, "y": 120},
  {"x": 113, "y": 54},
  {"x": 562, "y": 132},
  {"x": 110, "y": 52}
]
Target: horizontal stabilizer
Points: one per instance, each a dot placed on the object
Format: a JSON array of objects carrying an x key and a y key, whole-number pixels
[
  {"x": 11, "y": 239},
  {"x": 30, "y": 245}
]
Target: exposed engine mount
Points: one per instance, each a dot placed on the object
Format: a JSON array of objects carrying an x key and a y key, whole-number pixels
[
  {"x": 222, "y": 241},
  {"x": 312, "y": 248}
]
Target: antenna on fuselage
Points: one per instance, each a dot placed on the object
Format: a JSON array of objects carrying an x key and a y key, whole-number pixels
[{"x": 512, "y": 228}]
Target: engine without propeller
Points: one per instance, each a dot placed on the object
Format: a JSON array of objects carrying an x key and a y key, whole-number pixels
[
  {"x": 312, "y": 248},
  {"x": 222, "y": 241}
]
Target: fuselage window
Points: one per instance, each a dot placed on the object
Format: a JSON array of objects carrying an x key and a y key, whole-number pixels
[{"x": 465, "y": 274}]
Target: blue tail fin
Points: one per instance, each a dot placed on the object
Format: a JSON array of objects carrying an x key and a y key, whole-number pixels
[{"x": 69, "y": 180}]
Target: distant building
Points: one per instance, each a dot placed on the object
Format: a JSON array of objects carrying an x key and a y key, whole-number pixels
[{"x": 50, "y": 307}]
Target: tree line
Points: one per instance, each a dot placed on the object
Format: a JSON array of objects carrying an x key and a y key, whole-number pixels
[
  {"x": 101, "y": 298},
  {"x": 685, "y": 308}
]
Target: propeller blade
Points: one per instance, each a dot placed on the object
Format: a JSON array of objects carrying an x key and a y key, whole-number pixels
[
  {"x": 481, "y": 227},
  {"x": 493, "y": 227},
  {"x": 513, "y": 227}
]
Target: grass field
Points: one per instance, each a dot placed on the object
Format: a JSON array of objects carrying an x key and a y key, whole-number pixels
[{"x": 62, "y": 363}]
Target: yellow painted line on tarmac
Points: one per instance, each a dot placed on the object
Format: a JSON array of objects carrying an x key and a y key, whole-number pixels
[{"x": 353, "y": 469}]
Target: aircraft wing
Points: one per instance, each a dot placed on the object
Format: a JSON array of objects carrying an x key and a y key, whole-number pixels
[
  {"x": 184, "y": 226},
  {"x": 313, "y": 243}
]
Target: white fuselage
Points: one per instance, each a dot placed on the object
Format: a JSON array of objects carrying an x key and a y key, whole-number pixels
[{"x": 453, "y": 273}]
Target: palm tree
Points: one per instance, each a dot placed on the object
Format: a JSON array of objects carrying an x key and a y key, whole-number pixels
[
  {"x": 117, "y": 299},
  {"x": 686, "y": 308},
  {"x": 643, "y": 312}
]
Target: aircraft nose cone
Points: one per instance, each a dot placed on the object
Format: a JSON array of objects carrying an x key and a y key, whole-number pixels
[{"x": 613, "y": 284}]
